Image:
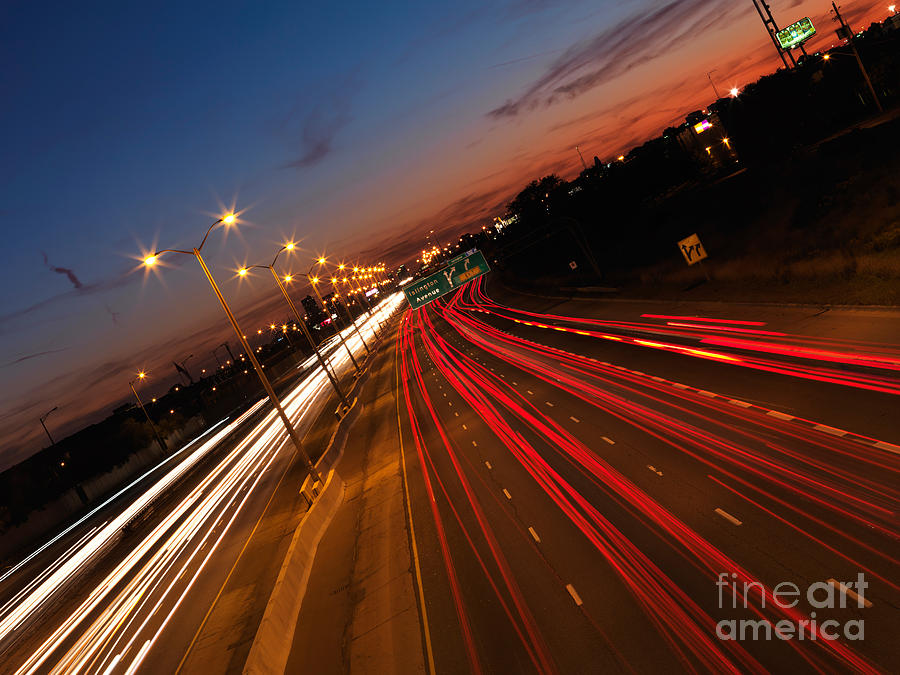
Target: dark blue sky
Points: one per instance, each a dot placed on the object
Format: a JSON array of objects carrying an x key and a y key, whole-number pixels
[{"x": 350, "y": 126}]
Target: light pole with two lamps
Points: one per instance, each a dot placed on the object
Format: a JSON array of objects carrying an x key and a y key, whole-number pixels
[{"x": 273, "y": 398}]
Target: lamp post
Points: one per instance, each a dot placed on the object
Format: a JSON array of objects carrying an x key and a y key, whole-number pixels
[
  {"x": 159, "y": 440},
  {"x": 44, "y": 417},
  {"x": 273, "y": 398},
  {"x": 313, "y": 281},
  {"x": 331, "y": 377},
  {"x": 358, "y": 272},
  {"x": 337, "y": 294}
]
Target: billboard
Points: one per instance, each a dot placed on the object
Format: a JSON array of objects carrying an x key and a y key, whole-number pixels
[
  {"x": 796, "y": 33},
  {"x": 702, "y": 126}
]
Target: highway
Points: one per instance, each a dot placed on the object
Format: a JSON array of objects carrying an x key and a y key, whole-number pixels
[
  {"x": 129, "y": 587},
  {"x": 625, "y": 493}
]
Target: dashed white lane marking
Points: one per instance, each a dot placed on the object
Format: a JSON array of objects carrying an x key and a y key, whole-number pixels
[
  {"x": 860, "y": 601},
  {"x": 881, "y": 445},
  {"x": 465, "y": 427},
  {"x": 678, "y": 385},
  {"x": 445, "y": 394},
  {"x": 449, "y": 403},
  {"x": 830, "y": 430},
  {"x": 534, "y": 534},
  {"x": 474, "y": 444},
  {"x": 530, "y": 392},
  {"x": 515, "y": 384},
  {"x": 657, "y": 378},
  {"x": 703, "y": 392},
  {"x": 654, "y": 470},
  {"x": 743, "y": 404},
  {"x": 574, "y": 419},
  {"x": 730, "y": 518},
  {"x": 779, "y": 415},
  {"x": 503, "y": 376},
  {"x": 548, "y": 403},
  {"x": 455, "y": 414},
  {"x": 608, "y": 440},
  {"x": 506, "y": 492},
  {"x": 574, "y": 594},
  {"x": 488, "y": 464}
]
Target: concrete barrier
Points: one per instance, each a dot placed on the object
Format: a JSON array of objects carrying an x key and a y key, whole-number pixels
[{"x": 275, "y": 635}]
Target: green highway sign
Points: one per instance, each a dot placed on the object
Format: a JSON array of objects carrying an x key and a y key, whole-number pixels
[{"x": 457, "y": 272}]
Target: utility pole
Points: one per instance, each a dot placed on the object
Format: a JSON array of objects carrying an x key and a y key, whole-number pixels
[
  {"x": 713, "y": 84},
  {"x": 44, "y": 417},
  {"x": 765, "y": 13},
  {"x": 848, "y": 34},
  {"x": 582, "y": 158}
]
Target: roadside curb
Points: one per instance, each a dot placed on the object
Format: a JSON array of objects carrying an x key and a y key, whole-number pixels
[{"x": 272, "y": 645}]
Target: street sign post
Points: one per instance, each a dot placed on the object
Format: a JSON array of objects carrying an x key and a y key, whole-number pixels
[
  {"x": 460, "y": 270},
  {"x": 693, "y": 252}
]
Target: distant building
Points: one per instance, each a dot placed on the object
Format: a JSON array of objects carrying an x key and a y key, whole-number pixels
[
  {"x": 314, "y": 313},
  {"x": 703, "y": 138}
]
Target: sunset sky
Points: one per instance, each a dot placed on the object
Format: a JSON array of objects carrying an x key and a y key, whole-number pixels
[{"x": 350, "y": 127}]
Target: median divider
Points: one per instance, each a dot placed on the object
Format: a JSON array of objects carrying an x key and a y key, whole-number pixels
[{"x": 274, "y": 637}]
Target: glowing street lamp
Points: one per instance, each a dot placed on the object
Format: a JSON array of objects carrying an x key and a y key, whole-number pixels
[
  {"x": 313, "y": 281},
  {"x": 287, "y": 278},
  {"x": 273, "y": 398},
  {"x": 734, "y": 92},
  {"x": 141, "y": 376}
]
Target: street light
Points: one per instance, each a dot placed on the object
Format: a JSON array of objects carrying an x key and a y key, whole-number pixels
[
  {"x": 332, "y": 377},
  {"x": 349, "y": 316},
  {"x": 273, "y": 398},
  {"x": 313, "y": 281},
  {"x": 734, "y": 92},
  {"x": 44, "y": 417},
  {"x": 141, "y": 375}
]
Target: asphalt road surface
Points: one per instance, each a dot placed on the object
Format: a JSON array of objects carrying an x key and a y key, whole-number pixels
[{"x": 625, "y": 488}]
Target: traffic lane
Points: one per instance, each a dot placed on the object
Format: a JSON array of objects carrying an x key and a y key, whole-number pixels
[
  {"x": 753, "y": 542},
  {"x": 670, "y": 561},
  {"x": 127, "y": 550},
  {"x": 861, "y": 411},
  {"x": 860, "y": 324},
  {"x": 769, "y": 439},
  {"x": 574, "y": 644}
]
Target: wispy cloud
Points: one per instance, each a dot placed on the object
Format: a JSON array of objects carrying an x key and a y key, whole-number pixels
[
  {"x": 28, "y": 357},
  {"x": 639, "y": 39},
  {"x": 62, "y": 270}
]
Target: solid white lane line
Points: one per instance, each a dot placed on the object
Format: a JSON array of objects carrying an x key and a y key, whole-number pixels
[
  {"x": 608, "y": 440},
  {"x": 574, "y": 419},
  {"x": 574, "y": 594},
  {"x": 860, "y": 601},
  {"x": 534, "y": 534},
  {"x": 506, "y": 492},
  {"x": 730, "y": 518}
]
